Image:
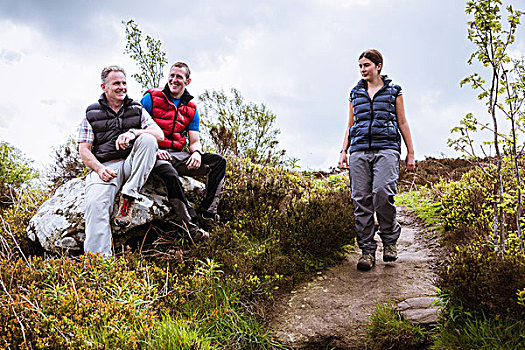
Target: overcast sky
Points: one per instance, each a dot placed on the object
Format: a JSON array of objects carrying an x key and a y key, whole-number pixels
[{"x": 299, "y": 57}]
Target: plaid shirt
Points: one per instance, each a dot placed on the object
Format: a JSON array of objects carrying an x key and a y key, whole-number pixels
[{"x": 85, "y": 131}]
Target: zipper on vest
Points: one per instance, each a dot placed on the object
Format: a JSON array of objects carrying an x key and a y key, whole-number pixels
[
  {"x": 371, "y": 121},
  {"x": 372, "y": 114},
  {"x": 174, "y": 120}
]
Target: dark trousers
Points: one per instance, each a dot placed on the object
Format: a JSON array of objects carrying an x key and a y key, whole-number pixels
[{"x": 212, "y": 165}]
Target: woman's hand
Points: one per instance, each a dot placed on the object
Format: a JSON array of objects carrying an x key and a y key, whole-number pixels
[
  {"x": 410, "y": 162},
  {"x": 343, "y": 161}
]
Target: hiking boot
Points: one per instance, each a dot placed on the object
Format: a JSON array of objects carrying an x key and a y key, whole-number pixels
[
  {"x": 366, "y": 262},
  {"x": 208, "y": 219},
  {"x": 389, "y": 253},
  {"x": 199, "y": 234},
  {"x": 125, "y": 211}
]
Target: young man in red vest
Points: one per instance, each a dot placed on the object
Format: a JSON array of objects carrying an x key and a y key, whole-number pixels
[{"x": 177, "y": 116}]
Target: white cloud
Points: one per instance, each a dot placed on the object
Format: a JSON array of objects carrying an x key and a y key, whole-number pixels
[
  {"x": 344, "y": 3},
  {"x": 299, "y": 58},
  {"x": 8, "y": 56},
  {"x": 5, "y": 114}
]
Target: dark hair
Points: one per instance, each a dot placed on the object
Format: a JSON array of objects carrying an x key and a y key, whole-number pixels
[
  {"x": 183, "y": 66},
  {"x": 374, "y": 56},
  {"x": 107, "y": 70}
]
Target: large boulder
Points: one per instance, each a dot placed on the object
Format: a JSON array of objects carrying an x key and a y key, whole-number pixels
[{"x": 59, "y": 223}]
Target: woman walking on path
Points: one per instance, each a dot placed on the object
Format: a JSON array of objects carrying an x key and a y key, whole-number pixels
[{"x": 376, "y": 117}]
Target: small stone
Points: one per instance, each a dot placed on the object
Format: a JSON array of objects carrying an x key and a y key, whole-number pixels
[
  {"x": 68, "y": 242},
  {"x": 422, "y": 316},
  {"x": 421, "y": 310}
]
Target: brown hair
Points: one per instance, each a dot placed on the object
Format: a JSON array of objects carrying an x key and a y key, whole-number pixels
[
  {"x": 374, "y": 56},
  {"x": 182, "y": 65}
]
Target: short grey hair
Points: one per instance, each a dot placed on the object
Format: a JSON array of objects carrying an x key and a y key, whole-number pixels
[{"x": 109, "y": 69}]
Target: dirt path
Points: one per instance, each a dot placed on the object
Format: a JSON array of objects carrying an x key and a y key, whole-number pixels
[{"x": 331, "y": 311}]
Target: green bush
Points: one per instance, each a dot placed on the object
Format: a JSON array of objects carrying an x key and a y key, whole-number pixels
[
  {"x": 480, "y": 279},
  {"x": 521, "y": 297},
  {"x": 61, "y": 304},
  {"x": 15, "y": 172},
  {"x": 280, "y": 225},
  {"x": 123, "y": 303},
  {"x": 388, "y": 330},
  {"x": 14, "y": 220},
  {"x": 467, "y": 205},
  {"x": 66, "y": 164}
]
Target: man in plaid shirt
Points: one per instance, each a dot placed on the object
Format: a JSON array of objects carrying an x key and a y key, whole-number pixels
[{"x": 118, "y": 141}]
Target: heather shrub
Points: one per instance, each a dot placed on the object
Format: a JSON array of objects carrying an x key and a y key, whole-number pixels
[
  {"x": 14, "y": 220},
  {"x": 63, "y": 304},
  {"x": 467, "y": 203},
  {"x": 255, "y": 189},
  {"x": 483, "y": 280},
  {"x": 432, "y": 170},
  {"x": 468, "y": 206},
  {"x": 280, "y": 225}
]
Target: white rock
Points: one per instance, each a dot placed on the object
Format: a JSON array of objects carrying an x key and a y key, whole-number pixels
[{"x": 59, "y": 223}]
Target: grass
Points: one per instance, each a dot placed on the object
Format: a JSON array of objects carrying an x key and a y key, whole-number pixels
[
  {"x": 171, "y": 334},
  {"x": 222, "y": 314},
  {"x": 480, "y": 332},
  {"x": 388, "y": 330},
  {"x": 421, "y": 203}
]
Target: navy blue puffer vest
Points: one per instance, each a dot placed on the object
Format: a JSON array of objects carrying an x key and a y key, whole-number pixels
[
  {"x": 375, "y": 122},
  {"x": 107, "y": 126}
]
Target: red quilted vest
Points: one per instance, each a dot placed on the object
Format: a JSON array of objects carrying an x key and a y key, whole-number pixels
[{"x": 172, "y": 120}]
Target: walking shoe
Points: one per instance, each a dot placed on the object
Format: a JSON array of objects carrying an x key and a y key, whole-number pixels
[
  {"x": 125, "y": 211},
  {"x": 366, "y": 262},
  {"x": 207, "y": 218},
  {"x": 199, "y": 234},
  {"x": 389, "y": 253}
]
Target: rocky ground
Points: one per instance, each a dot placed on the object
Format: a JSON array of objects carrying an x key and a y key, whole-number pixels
[{"x": 331, "y": 311}]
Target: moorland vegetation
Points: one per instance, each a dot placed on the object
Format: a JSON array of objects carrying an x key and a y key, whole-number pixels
[{"x": 280, "y": 227}]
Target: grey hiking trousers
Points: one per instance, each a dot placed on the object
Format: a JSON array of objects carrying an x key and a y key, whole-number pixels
[
  {"x": 100, "y": 195},
  {"x": 373, "y": 178}
]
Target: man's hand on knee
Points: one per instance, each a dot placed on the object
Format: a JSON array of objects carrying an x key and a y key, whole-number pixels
[
  {"x": 124, "y": 139},
  {"x": 106, "y": 174},
  {"x": 194, "y": 161},
  {"x": 164, "y": 155}
]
